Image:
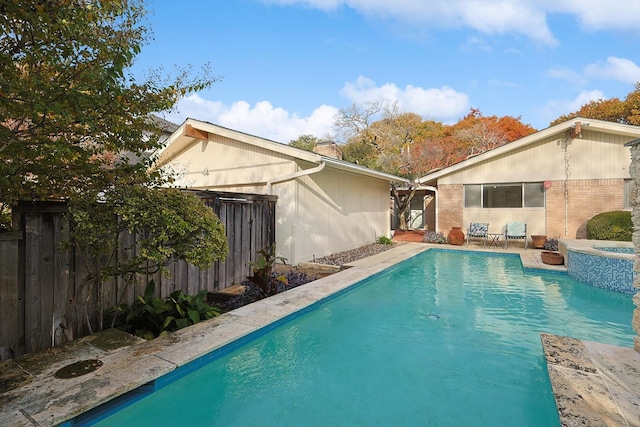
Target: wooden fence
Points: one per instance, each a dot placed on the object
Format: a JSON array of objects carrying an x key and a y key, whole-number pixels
[{"x": 45, "y": 299}]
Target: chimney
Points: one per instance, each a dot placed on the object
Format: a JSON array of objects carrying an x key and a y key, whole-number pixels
[
  {"x": 329, "y": 149},
  {"x": 576, "y": 131}
]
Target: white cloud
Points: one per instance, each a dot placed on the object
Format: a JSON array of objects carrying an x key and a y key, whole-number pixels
[
  {"x": 601, "y": 14},
  {"x": 326, "y": 5},
  {"x": 476, "y": 43},
  {"x": 526, "y": 17},
  {"x": 504, "y": 17},
  {"x": 568, "y": 75},
  {"x": 559, "y": 107},
  {"x": 620, "y": 69},
  {"x": 441, "y": 104},
  {"x": 262, "y": 119}
]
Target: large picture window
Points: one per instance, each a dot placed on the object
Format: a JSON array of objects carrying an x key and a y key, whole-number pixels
[{"x": 523, "y": 195}]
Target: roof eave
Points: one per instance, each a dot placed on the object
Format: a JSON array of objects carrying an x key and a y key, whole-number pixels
[
  {"x": 350, "y": 167},
  {"x": 178, "y": 142}
]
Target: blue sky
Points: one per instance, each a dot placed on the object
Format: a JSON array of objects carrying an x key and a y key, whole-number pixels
[{"x": 288, "y": 66}]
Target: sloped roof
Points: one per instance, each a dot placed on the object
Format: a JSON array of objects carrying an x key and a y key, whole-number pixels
[
  {"x": 179, "y": 142},
  {"x": 165, "y": 125},
  {"x": 562, "y": 128}
]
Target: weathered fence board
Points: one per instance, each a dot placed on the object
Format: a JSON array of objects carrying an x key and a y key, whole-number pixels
[
  {"x": 45, "y": 299},
  {"x": 11, "y": 296}
]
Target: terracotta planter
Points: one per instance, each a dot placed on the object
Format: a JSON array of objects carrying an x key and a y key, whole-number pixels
[
  {"x": 538, "y": 240},
  {"x": 456, "y": 236},
  {"x": 552, "y": 258}
]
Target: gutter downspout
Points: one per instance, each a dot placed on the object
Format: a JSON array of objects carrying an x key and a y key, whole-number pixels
[
  {"x": 293, "y": 176},
  {"x": 435, "y": 196},
  {"x": 269, "y": 187}
]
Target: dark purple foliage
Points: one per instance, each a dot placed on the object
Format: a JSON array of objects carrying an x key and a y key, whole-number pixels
[
  {"x": 551, "y": 245},
  {"x": 253, "y": 292}
]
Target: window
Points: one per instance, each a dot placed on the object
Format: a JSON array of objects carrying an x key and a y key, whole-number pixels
[
  {"x": 501, "y": 196},
  {"x": 533, "y": 195},
  {"x": 473, "y": 196},
  {"x": 528, "y": 195}
]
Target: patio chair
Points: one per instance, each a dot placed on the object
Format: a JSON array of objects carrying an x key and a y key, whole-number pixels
[
  {"x": 515, "y": 231},
  {"x": 478, "y": 230}
]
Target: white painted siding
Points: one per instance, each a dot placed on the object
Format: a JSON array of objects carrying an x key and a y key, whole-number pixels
[
  {"x": 599, "y": 156},
  {"x": 229, "y": 165},
  {"x": 316, "y": 215},
  {"x": 594, "y": 156},
  {"x": 337, "y": 211}
]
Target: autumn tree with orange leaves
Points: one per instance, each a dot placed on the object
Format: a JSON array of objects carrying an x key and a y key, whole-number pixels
[
  {"x": 625, "y": 111},
  {"x": 403, "y": 144}
]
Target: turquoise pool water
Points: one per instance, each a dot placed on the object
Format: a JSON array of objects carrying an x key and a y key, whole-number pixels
[{"x": 443, "y": 339}]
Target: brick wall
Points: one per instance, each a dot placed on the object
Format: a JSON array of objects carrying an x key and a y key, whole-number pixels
[
  {"x": 450, "y": 207},
  {"x": 586, "y": 198}
]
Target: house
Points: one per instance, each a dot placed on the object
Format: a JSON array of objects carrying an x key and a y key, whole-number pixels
[
  {"x": 554, "y": 180},
  {"x": 324, "y": 205}
]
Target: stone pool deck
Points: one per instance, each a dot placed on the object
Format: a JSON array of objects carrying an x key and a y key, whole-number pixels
[
  {"x": 599, "y": 388},
  {"x": 594, "y": 384}
]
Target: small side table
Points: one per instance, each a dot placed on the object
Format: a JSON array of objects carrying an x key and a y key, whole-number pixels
[{"x": 495, "y": 239}]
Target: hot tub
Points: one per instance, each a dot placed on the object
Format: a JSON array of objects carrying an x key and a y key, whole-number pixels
[{"x": 601, "y": 263}]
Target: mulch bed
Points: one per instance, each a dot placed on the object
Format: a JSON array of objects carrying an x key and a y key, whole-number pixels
[{"x": 296, "y": 276}]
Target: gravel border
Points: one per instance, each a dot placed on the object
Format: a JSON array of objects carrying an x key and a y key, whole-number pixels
[{"x": 346, "y": 257}]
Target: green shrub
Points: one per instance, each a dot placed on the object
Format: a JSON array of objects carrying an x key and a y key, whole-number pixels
[
  {"x": 149, "y": 317},
  {"x": 384, "y": 240},
  {"x": 263, "y": 267},
  {"x": 615, "y": 225}
]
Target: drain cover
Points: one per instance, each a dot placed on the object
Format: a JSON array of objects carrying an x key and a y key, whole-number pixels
[{"x": 78, "y": 368}]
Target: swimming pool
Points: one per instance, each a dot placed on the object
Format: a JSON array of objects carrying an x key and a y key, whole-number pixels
[{"x": 445, "y": 338}]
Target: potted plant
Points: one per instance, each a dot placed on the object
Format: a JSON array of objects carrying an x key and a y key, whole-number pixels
[
  {"x": 456, "y": 236},
  {"x": 552, "y": 258},
  {"x": 550, "y": 254},
  {"x": 551, "y": 245},
  {"x": 538, "y": 240}
]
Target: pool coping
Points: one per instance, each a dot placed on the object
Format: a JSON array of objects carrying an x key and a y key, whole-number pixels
[
  {"x": 130, "y": 363},
  {"x": 593, "y": 384}
]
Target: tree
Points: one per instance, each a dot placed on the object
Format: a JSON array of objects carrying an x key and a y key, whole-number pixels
[
  {"x": 360, "y": 153},
  {"x": 74, "y": 125},
  {"x": 355, "y": 121},
  {"x": 168, "y": 224},
  {"x": 384, "y": 145},
  {"x": 611, "y": 110},
  {"x": 476, "y": 133},
  {"x": 428, "y": 149},
  {"x": 304, "y": 142},
  {"x": 402, "y": 144},
  {"x": 72, "y": 118},
  {"x": 402, "y": 199}
]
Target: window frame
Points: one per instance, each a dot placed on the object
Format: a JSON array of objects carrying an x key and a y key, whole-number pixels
[{"x": 481, "y": 191}]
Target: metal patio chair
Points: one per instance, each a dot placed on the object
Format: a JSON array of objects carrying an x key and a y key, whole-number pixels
[
  {"x": 478, "y": 230},
  {"x": 515, "y": 231}
]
